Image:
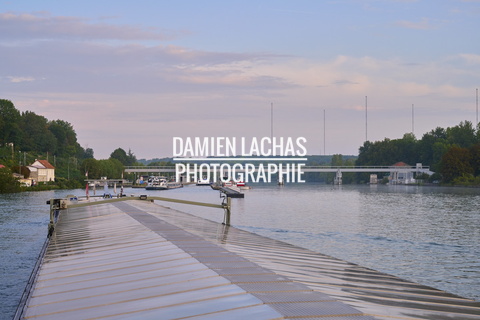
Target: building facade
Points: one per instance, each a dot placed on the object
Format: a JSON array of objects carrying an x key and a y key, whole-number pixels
[{"x": 42, "y": 171}]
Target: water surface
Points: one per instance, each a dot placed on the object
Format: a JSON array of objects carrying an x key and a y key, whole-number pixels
[{"x": 427, "y": 235}]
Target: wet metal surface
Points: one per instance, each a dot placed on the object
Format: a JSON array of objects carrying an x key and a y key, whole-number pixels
[{"x": 139, "y": 260}]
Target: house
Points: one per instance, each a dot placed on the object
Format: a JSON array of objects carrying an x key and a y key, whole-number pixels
[
  {"x": 399, "y": 176},
  {"x": 20, "y": 178},
  {"x": 42, "y": 171}
]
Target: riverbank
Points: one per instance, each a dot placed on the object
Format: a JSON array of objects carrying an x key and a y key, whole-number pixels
[{"x": 13, "y": 186}]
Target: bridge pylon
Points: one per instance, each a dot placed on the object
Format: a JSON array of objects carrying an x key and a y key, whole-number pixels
[{"x": 338, "y": 177}]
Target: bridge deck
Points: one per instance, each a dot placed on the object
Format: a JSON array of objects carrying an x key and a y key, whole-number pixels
[
  {"x": 138, "y": 260},
  {"x": 372, "y": 169}
]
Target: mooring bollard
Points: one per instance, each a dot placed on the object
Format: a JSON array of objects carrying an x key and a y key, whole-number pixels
[
  {"x": 54, "y": 207},
  {"x": 227, "y": 206}
]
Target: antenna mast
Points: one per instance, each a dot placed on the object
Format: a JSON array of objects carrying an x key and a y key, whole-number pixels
[
  {"x": 413, "y": 119},
  {"x": 271, "y": 121},
  {"x": 324, "y": 150},
  {"x": 366, "y": 120}
]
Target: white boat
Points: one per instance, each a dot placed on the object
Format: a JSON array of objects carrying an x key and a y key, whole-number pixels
[
  {"x": 156, "y": 183},
  {"x": 203, "y": 182},
  {"x": 229, "y": 184},
  {"x": 174, "y": 185},
  {"x": 242, "y": 185},
  {"x": 161, "y": 183}
]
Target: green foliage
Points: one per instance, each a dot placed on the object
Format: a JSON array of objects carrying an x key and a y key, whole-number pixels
[
  {"x": 8, "y": 183},
  {"x": 453, "y": 152},
  {"x": 65, "y": 136},
  {"x": 88, "y": 153},
  {"x": 36, "y": 136},
  {"x": 462, "y": 135},
  {"x": 388, "y": 152},
  {"x": 435, "y": 178},
  {"x": 161, "y": 163},
  {"x": 9, "y": 123},
  {"x": 456, "y": 163},
  {"x": 63, "y": 183},
  {"x": 124, "y": 158},
  {"x": 466, "y": 180},
  {"x": 111, "y": 168},
  {"x": 337, "y": 160},
  {"x": 32, "y": 133},
  {"x": 475, "y": 162},
  {"x": 27, "y": 136}
]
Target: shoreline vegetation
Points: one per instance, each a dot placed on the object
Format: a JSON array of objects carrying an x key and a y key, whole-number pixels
[{"x": 452, "y": 153}]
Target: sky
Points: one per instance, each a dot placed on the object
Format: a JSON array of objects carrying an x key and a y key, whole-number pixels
[{"x": 136, "y": 74}]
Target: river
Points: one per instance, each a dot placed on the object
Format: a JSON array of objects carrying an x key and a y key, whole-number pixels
[{"x": 430, "y": 235}]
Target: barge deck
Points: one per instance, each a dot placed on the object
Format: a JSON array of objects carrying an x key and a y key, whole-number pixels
[{"x": 139, "y": 260}]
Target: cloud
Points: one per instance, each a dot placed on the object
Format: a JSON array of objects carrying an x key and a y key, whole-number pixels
[
  {"x": 471, "y": 58},
  {"x": 44, "y": 26},
  {"x": 142, "y": 93},
  {"x": 423, "y": 24},
  {"x": 133, "y": 68},
  {"x": 343, "y": 82},
  {"x": 20, "y": 79},
  {"x": 144, "y": 105}
]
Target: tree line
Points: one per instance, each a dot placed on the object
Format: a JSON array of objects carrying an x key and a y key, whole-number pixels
[
  {"x": 32, "y": 133},
  {"x": 452, "y": 153},
  {"x": 26, "y": 136}
]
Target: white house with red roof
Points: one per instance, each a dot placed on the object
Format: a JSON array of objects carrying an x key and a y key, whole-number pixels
[
  {"x": 399, "y": 176},
  {"x": 42, "y": 171}
]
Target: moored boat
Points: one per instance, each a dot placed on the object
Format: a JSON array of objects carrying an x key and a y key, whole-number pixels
[
  {"x": 156, "y": 183},
  {"x": 243, "y": 186},
  {"x": 161, "y": 183},
  {"x": 203, "y": 182},
  {"x": 174, "y": 185}
]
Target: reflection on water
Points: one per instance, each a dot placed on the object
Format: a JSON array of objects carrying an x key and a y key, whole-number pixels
[
  {"x": 23, "y": 229},
  {"x": 428, "y": 235}
]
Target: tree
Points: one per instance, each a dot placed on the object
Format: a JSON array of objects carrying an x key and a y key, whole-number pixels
[
  {"x": 456, "y": 162},
  {"x": 66, "y": 138},
  {"x": 120, "y": 155},
  {"x": 462, "y": 135},
  {"x": 111, "y": 168},
  {"x": 475, "y": 153},
  {"x": 88, "y": 154},
  {"x": 160, "y": 163},
  {"x": 8, "y": 183},
  {"x": 407, "y": 149},
  {"x": 126, "y": 159},
  {"x": 37, "y": 137},
  {"x": 337, "y": 160},
  {"x": 91, "y": 168},
  {"x": 439, "y": 148},
  {"x": 9, "y": 123},
  {"x": 132, "y": 160},
  {"x": 425, "y": 148}
]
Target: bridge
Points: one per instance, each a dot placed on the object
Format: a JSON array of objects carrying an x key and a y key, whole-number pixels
[{"x": 397, "y": 172}]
